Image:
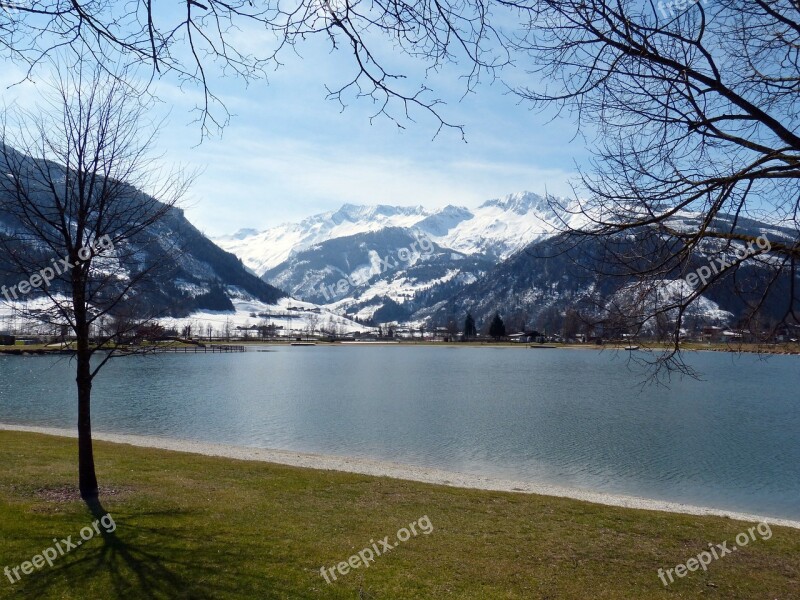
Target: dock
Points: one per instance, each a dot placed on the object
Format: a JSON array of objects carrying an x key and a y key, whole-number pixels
[{"x": 199, "y": 349}]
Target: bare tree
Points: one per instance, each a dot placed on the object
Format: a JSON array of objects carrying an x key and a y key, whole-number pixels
[
  {"x": 694, "y": 112},
  {"x": 452, "y": 328},
  {"x": 312, "y": 319},
  {"x": 195, "y": 40},
  {"x": 70, "y": 195}
]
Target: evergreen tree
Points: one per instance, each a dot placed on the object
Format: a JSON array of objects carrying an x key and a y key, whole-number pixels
[
  {"x": 469, "y": 327},
  {"x": 497, "y": 329}
]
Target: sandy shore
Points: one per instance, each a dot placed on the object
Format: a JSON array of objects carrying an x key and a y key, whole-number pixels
[{"x": 399, "y": 471}]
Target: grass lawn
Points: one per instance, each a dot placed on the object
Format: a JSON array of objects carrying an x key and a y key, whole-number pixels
[{"x": 190, "y": 526}]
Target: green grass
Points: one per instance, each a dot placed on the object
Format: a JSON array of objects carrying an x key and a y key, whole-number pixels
[{"x": 198, "y": 527}]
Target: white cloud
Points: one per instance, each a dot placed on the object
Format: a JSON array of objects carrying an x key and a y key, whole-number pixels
[
  {"x": 289, "y": 153},
  {"x": 252, "y": 184}
]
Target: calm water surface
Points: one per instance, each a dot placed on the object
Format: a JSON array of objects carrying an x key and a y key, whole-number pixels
[{"x": 570, "y": 417}]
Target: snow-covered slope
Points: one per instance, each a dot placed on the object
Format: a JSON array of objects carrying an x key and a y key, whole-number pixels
[
  {"x": 374, "y": 246},
  {"x": 187, "y": 272},
  {"x": 290, "y": 317},
  {"x": 261, "y": 251},
  {"x": 361, "y": 262},
  {"x": 497, "y": 228},
  {"x": 555, "y": 280}
]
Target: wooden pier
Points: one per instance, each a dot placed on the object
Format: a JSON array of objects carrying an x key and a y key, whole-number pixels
[
  {"x": 198, "y": 349},
  {"x": 188, "y": 349}
]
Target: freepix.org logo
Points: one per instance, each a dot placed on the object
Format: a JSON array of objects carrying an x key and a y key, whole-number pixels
[
  {"x": 42, "y": 279},
  {"x": 420, "y": 248},
  {"x": 721, "y": 263}
]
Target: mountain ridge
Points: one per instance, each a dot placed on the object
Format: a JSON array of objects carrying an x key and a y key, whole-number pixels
[
  {"x": 479, "y": 262},
  {"x": 497, "y": 227}
]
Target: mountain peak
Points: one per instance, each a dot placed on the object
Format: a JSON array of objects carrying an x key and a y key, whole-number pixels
[
  {"x": 361, "y": 212},
  {"x": 495, "y": 229},
  {"x": 243, "y": 233},
  {"x": 442, "y": 221},
  {"x": 520, "y": 203}
]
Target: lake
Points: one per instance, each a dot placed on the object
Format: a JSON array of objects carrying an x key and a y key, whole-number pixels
[{"x": 577, "y": 418}]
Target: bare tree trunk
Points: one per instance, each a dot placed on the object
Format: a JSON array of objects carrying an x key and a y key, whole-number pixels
[{"x": 87, "y": 479}]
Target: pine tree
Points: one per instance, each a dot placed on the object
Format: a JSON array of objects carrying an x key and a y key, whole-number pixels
[
  {"x": 469, "y": 327},
  {"x": 497, "y": 329}
]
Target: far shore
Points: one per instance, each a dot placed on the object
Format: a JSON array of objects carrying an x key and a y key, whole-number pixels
[
  {"x": 782, "y": 349},
  {"x": 379, "y": 468}
]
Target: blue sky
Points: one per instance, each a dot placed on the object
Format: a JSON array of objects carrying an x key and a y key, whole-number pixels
[{"x": 288, "y": 152}]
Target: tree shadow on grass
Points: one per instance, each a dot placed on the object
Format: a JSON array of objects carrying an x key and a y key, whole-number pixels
[{"x": 147, "y": 562}]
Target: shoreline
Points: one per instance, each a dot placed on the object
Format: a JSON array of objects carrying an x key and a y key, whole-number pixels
[
  {"x": 378, "y": 468},
  {"x": 772, "y": 350}
]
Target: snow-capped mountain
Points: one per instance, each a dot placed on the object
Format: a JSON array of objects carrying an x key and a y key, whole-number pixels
[
  {"x": 497, "y": 228},
  {"x": 203, "y": 285},
  {"x": 261, "y": 251},
  {"x": 388, "y": 255},
  {"x": 416, "y": 265},
  {"x": 554, "y": 278},
  {"x": 200, "y": 275},
  {"x": 363, "y": 274}
]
